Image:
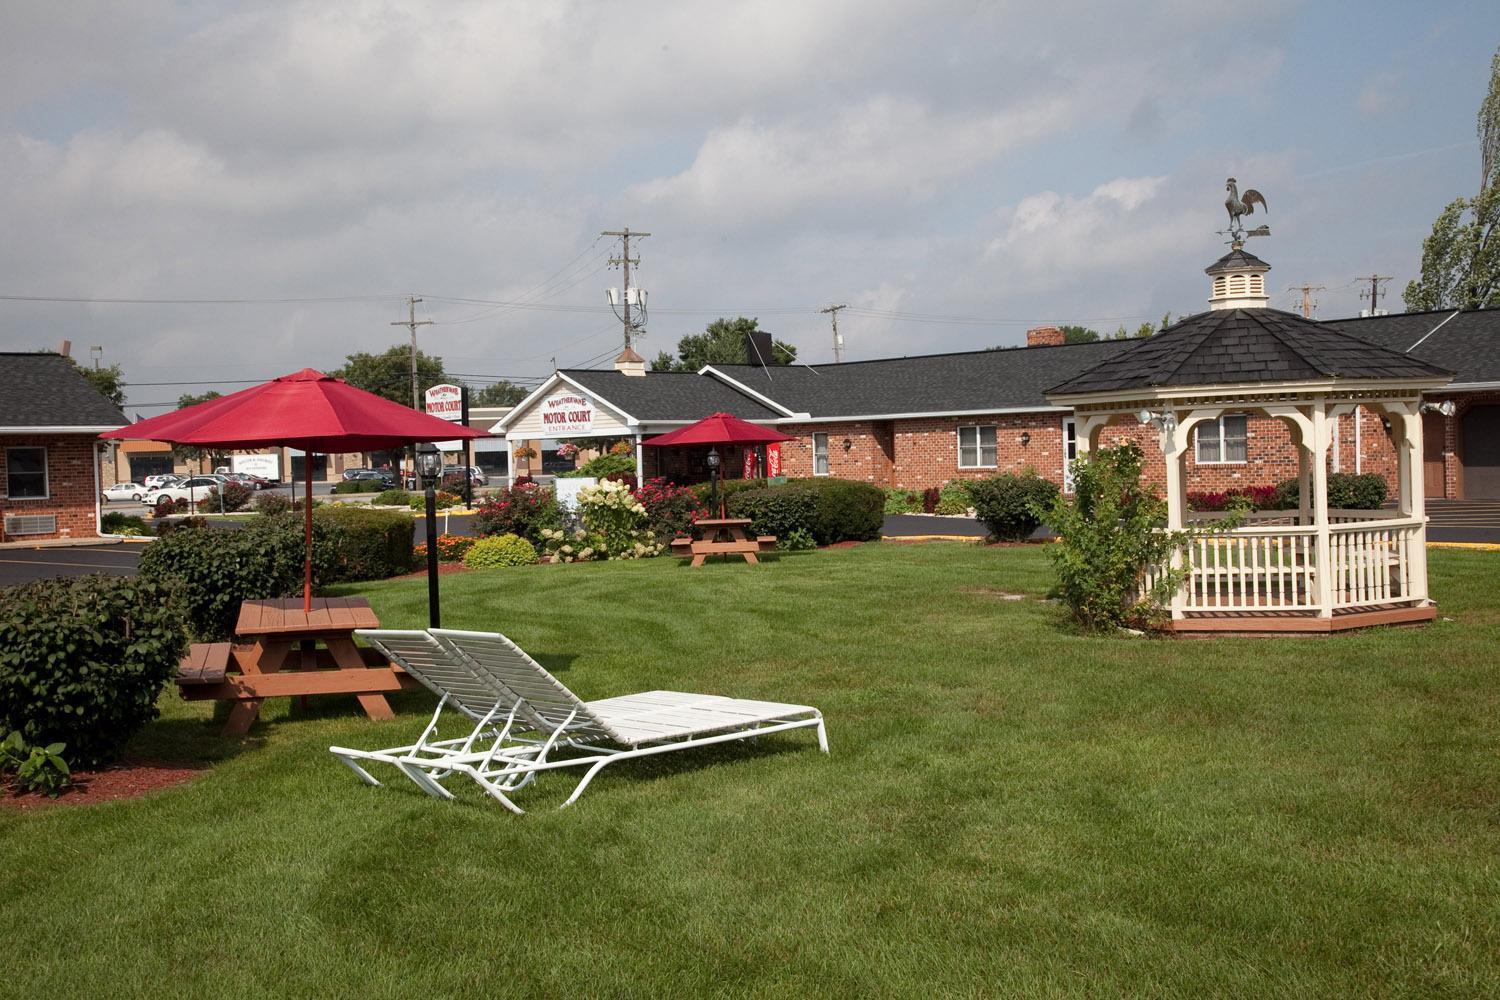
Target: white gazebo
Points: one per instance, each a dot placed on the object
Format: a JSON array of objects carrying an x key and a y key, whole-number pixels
[{"x": 1313, "y": 569}]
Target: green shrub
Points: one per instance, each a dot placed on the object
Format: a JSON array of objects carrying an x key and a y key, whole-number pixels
[
  {"x": 1009, "y": 504},
  {"x": 727, "y": 489},
  {"x": 366, "y": 544},
  {"x": 797, "y": 540},
  {"x": 670, "y": 510},
  {"x": 227, "y": 498},
  {"x": 1346, "y": 491},
  {"x": 776, "y": 510},
  {"x": 500, "y": 550},
  {"x": 617, "y": 521},
  {"x": 902, "y": 501},
  {"x": 954, "y": 498},
  {"x": 604, "y": 465},
  {"x": 1109, "y": 541},
  {"x": 359, "y": 486},
  {"x": 82, "y": 660},
  {"x": 272, "y": 503},
  {"x": 393, "y": 498},
  {"x": 526, "y": 511},
  {"x": 211, "y": 572},
  {"x": 441, "y": 500},
  {"x": 36, "y": 768},
  {"x": 115, "y": 523},
  {"x": 847, "y": 511}
]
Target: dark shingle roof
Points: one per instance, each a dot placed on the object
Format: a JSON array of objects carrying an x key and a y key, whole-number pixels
[
  {"x": 45, "y": 390},
  {"x": 1467, "y": 345},
  {"x": 669, "y": 395},
  {"x": 934, "y": 383},
  {"x": 1246, "y": 345},
  {"x": 1236, "y": 260}
]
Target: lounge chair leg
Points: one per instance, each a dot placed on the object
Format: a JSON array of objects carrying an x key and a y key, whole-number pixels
[
  {"x": 498, "y": 795},
  {"x": 364, "y": 775},
  {"x": 822, "y": 736},
  {"x": 425, "y": 782},
  {"x": 589, "y": 776}
]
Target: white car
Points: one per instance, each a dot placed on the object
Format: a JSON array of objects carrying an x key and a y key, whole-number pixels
[
  {"x": 197, "y": 489},
  {"x": 162, "y": 479},
  {"x": 125, "y": 491}
]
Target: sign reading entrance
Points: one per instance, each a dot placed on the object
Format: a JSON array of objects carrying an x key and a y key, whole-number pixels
[{"x": 567, "y": 415}]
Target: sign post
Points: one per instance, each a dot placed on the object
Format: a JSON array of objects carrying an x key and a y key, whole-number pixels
[{"x": 446, "y": 402}]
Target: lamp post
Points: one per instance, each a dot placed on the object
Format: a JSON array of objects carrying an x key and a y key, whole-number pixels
[
  {"x": 713, "y": 478},
  {"x": 430, "y": 467}
]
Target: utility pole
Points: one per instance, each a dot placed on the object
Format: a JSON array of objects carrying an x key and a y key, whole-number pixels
[
  {"x": 625, "y": 261},
  {"x": 412, "y": 323},
  {"x": 838, "y": 342},
  {"x": 1375, "y": 293},
  {"x": 1308, "y": 305}
]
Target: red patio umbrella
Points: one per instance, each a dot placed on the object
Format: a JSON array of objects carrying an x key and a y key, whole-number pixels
[
  {"x": 306, "y": 410},
  {"x": 719, "y": 428}
]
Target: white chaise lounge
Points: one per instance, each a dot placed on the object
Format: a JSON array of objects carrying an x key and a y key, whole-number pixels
[{"x": 532, "y": 723}]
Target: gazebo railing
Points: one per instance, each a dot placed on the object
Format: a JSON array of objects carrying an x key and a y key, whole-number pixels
[{"x": 1263, "y": 567}]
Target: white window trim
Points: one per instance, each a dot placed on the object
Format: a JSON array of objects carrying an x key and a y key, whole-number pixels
[
  {"x": 827, "y": 457},
  {"x": 46, "y": 472},
  {"x": 958, "y": 443},
  {"x": 1070, "y": 435},
  {"x": 1198, "y": 458}
]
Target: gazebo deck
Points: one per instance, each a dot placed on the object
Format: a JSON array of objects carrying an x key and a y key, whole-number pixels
[{"x": 1272, "y": 620}]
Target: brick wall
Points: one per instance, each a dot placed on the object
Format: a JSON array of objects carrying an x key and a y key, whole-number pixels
[
  {"x": 70, "y": 484},
  {"x": 1452, "y": 428},
  {"x": 923, "y": 452}
]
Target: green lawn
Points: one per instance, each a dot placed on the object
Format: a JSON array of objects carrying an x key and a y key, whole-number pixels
[{"x": 1010, "y": 808}]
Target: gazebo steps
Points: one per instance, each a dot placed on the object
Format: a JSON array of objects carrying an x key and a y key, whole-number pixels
[{"x": 1272, "y": 621}]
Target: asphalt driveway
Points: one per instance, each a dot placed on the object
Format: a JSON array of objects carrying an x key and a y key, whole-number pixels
[{"x": 25, "y": 565}]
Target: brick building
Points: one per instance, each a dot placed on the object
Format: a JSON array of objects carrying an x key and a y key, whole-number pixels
[
  {"x": 50, "y": 418},
  {"x": 923, "y": 421}
]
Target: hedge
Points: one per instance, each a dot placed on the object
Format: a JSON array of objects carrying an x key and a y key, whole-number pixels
[
  {"x": 212, "y": 571},
  {"x": 776, "y": 510},
  {"x": 500, "y": 550},
  {"x": 359, "y": 486},
  {"x": 366, "y": 544},
  {"x": 1346, "y": 491},
  {"x": 831, "y": 510},
  {"x": 82, "y": 661},
  {"x": 1010, "y": 505}
]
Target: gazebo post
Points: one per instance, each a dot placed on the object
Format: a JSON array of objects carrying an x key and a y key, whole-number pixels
[
  {"x": 1319, "y": 462},
  {"x": 1174, "y": 441},
  {"x": 640, "y": 462},
  {"x": 1413, "y": 501}
]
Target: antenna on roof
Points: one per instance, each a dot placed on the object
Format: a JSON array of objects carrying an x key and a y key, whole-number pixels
[{"x": 759, "y": 357}]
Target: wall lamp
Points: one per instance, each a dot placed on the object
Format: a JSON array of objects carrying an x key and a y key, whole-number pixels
[
  {"x": 848, "y": 444},
  {"x": 1025, "y": 438},
  {"x": 1447, "y": 408}
]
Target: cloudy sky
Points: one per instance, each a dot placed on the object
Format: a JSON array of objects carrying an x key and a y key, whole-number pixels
[{"x": 954, "y": 171}]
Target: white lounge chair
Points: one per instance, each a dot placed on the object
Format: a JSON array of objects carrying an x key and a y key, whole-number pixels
[{"x": 544, "y": 719}]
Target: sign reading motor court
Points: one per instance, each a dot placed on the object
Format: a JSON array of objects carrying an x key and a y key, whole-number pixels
[
  {"x": 445, "y": 402},
  {"x": 567, "y": 415}
]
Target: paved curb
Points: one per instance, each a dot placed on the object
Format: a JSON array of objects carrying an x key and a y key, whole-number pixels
[
  {"x": 1471, "y": 546},
  {"x": 63, "y": 543}
]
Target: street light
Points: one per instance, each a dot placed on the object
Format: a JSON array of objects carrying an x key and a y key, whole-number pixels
[
  {"x": 429, "y": 468},
  {"x": 713, "y": 476}
]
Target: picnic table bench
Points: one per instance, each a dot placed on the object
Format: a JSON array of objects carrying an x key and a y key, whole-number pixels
[
  {"x": 280, "y": 658},
  {"x": 723, "y": 536}
]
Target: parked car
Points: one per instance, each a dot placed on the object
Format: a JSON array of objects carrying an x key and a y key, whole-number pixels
[
  {"x": 355, "y": 473},
  {"x": 162, "y": 479},
  {"x": 385, "y": 479},
  {"x": 245, "y": 479},
  {"x": 197, "y": 489},
  {"x": 125, "y": 491}
]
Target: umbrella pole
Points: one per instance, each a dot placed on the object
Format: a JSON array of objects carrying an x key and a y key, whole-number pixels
[{"x": 307, "y": 533}]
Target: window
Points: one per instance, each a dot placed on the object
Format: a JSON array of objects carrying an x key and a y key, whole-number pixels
[
  {"x": 976, "y": 447},
  {"x": 1070, "y": 452},
  {"x": 26, "y": 473},
  {"x": 1223, "y": 440},
  {"x": 820, "y": 454}
]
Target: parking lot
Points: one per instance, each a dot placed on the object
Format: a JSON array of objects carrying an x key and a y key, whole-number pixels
[{"x": 25, "y": 565}]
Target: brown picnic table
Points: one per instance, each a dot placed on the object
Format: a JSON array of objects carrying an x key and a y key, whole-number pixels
[
  {"x": 279, "y": 656},
  {"x": 724, "y": 536}
]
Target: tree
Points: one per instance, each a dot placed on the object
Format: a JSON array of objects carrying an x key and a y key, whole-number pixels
[
  {"x": 1145, "y": 330},
  {"x": 108, "y": 381},
  {"x": 500, "y": 393},
  {"x": 1461, "y": 256},
  {"x": 388, "y": 373},
  {"x": 186, "y": 452},
  {"x": 1079, "y": 335},
  {"x": 722, "y": 342}
]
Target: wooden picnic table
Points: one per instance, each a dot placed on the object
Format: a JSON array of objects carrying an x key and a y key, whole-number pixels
[
  {"x": 279, "y": 657},
  {"x": 724, "y": 536}
]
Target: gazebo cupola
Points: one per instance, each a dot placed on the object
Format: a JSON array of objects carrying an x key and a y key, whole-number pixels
[{"x": 1309, "y": 569}]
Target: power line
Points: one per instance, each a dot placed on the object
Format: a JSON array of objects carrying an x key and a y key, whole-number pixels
[
  {"x": 198, "y": 302},
  {"x": 624, "y": 261},
  {"x": 412, "y": 323},
  {"x": 838, "y": 341},
  {"x": 1375, "y": 292}
]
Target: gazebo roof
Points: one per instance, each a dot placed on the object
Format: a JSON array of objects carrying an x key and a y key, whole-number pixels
[{"x": 1246, "y": 346}]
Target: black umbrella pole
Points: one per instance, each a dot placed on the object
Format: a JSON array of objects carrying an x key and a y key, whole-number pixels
[{"x": 433, "y": 620}]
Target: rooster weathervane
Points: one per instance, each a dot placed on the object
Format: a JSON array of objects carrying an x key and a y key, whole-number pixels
[{"x": 1238, "y": 206}]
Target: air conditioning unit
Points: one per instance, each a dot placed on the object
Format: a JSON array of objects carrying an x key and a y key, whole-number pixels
[{"x": 30, "y": 524}]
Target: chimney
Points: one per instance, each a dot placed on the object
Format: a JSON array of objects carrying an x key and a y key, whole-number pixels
[
  {"x": 1045, "y": 336},
  {"x": 758, "y": 347},
  {"x": 65, "y": 348},
  {"x": 630, "y": 363}
]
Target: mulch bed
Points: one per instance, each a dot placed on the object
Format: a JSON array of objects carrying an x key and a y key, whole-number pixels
[{"x": 128, "y": 779}]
